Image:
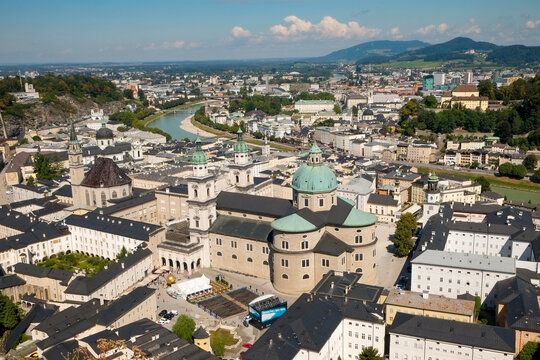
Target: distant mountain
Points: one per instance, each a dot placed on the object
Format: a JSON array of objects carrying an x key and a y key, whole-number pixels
[
  {"x": 464, "y": 50},
  {"x": 383, "y": 49},
  {"x": 515, "y": 55}
]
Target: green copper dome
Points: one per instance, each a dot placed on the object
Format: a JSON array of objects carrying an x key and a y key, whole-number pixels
[
  {"x": 240, "y": 145},
  {"x": 433, "y": 178},
  {"x": 199, "y": 156},
  {"x": 293, "y": 223},
  {"x": 314, "y": 177}
]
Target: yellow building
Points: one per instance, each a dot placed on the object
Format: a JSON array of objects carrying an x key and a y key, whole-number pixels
[
  {"x": 424, "y": 304},
  {"x": 466, "y": 96},
  {"x": 201, "y": 339}
]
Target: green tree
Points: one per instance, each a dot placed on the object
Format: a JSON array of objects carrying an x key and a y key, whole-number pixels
[
  {"x": 430, "y": 101},
  {"x": 369, "y": 353},
  {"x": 536, "y": 176},
  {"x": 405, "y": 229},
  {"x": 122, "y": 254},
  {"x": 487, "y": 88},
  {"x": 44, "y": 169},
  {"x": 486, "y": 186},
  {"x": 184, "y": 327},
  {"x": 410, "y": 109},
  {"x": 36, "y": 138},
  {"x": 529, "y": 351},
  {"x": 218, "y": 345},
  {"x": 530, "y": 162},
  {"x": 337, "y": 109},
  {"x": 128, "y": 94},
  {"x": 30, "y": 182},
  {"x": 477, "y": 306},
  {"x": 24, "y": 141}
]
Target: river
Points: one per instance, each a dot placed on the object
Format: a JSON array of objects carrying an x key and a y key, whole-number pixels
[{"x": 170, "y": 123}]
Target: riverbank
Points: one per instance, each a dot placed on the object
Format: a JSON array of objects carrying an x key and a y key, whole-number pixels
[
  {"x": 157, "y": 115},
  {"x": 187, "y": 125}
]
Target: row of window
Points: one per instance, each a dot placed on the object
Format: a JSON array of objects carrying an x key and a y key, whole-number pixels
[
  {"x": 234, "y": 257},
  {"x": 249, "y": 247}
]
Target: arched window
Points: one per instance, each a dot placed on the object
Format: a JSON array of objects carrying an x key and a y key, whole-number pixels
[
  {"x": 234, "y": 256},
  {"x": 114, "y": 195},
  {"x": 305, "y": 245},
  {"x": 306, "y": 276},
  {"x": 218, "y": 253},
  {"x": 103, "y": 198},
  {"x": 284, "y": 276},
  {"x": 237, "y": 179},
  {"x": 249, "y": 260},
  {"x": 124, "y": 194},
  {"x": 196, "y": 192},
  {"x": 265, "y": 262},
  {"x": 207, "y": 191}
]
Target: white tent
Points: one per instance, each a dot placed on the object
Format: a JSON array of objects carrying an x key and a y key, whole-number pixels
[{"x": 192, "y": 287}]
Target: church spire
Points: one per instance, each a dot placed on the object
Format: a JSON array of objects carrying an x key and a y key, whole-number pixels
[{"x": 72, "y": 134}]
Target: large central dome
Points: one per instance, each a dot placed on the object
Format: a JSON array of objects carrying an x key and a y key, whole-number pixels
[{"x": 314, "y": 177}]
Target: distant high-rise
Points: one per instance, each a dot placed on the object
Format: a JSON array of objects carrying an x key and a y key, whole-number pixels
[
  {"x": 468, "y": 78},
  {"x": 427, "y": 82},
  {"x": 438, "y": 78}
]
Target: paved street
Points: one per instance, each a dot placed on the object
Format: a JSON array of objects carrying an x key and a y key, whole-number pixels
[
  {"x": 248, "y": 335},
  {"x": 389, "y": 266}
]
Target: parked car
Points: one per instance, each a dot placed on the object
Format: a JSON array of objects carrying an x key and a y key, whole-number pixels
[
  {"x": 247, "y": 345},
  {"x": 175, "y": 312},
  {"x": 162, "y": 313},
  {"x": 164, "y": 320}
]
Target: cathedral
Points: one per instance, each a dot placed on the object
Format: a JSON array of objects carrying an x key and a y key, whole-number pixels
[{"x": 292, "y": 243}]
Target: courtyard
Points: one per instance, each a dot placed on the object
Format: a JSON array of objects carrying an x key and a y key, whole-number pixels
[{"x": 88, "y": 265}]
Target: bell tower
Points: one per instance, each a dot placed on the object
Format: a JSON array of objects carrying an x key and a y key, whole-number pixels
[
  {"x": 241, "y": 175},
  {"x": 76, "y": 166},
  {"x": 201, "y": 201}
]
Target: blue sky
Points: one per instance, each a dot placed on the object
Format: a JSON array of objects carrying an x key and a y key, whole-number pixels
[{"x": 37, "y": 31}]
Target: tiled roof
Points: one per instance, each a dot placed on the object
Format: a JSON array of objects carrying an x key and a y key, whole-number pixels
[{"x": 105, "y": 173}]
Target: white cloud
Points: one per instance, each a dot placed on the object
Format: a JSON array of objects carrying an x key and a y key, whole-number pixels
[
  {"x": 428, "y": 29},
  {"x": 443, "y": 27},
  {"x": 532, "y": 24},
  {"x": 240, "y": 32},
  {"x": 396, "y": 33},
  {"x": 473, "y": 28},
  {"x": 432, "y": 28},
  {"x": 166, "y": 45},
  {"x": 327, "y": 28}
]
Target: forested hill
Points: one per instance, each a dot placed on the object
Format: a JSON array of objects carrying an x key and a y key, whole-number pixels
[{"x": 61, "y": 97}]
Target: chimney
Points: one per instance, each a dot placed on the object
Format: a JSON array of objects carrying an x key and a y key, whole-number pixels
[
  {"x": 167, "y": 190},
  {"x": 425, "y": 294}
]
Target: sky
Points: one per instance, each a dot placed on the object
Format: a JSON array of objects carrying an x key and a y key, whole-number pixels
[{"x": 37, "y": 31}]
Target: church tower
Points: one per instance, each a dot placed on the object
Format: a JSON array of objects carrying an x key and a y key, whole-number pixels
[
  {"x": 76, "y": 166},
  {"x": 265, "y": 148},
  {"x": 432, "y": 201},
  {"x": 241, "y": 175},
  {"x": 201, "y": 201}
]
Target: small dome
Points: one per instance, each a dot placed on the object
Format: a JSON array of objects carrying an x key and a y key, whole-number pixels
[
  {"x": 104, "y": 133},
  {"x": 240, "y": 145},
  {"x": 368, "y": 112},
  {"x": 199, "y": 156}
]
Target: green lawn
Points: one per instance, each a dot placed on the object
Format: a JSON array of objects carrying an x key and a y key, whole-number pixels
[
  {"x": 90, "y": 265},
  {"x": 517, "y": 195},
  {"x": 225, "y": 334}
]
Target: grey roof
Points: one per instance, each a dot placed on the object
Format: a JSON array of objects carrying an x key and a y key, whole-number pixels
[
  {"x": 382, "y": 200},
  {"x": 456, "y": 332},
  {"x": 200, "y": 333},
  {"x": 331, "y": 245},
  {"x": 307, "y": 324},
  {"x": 466, "y": 261},
  {"x": 72, "y": 321},
  {"x": 43, "y": 272},
  {"x": 240, "y": 227},
  {"x": 8, "y": 281},
  {"x": 64, "y": 191},
  {"x": 520, "y": 298},
  {"x": 127, "y": 203},
  {"x": 83, "y": 285},
  {"x": 253, "y": 204},
  {"x": 346, "y": 284},
  {"x": 113, "y": 225}
]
